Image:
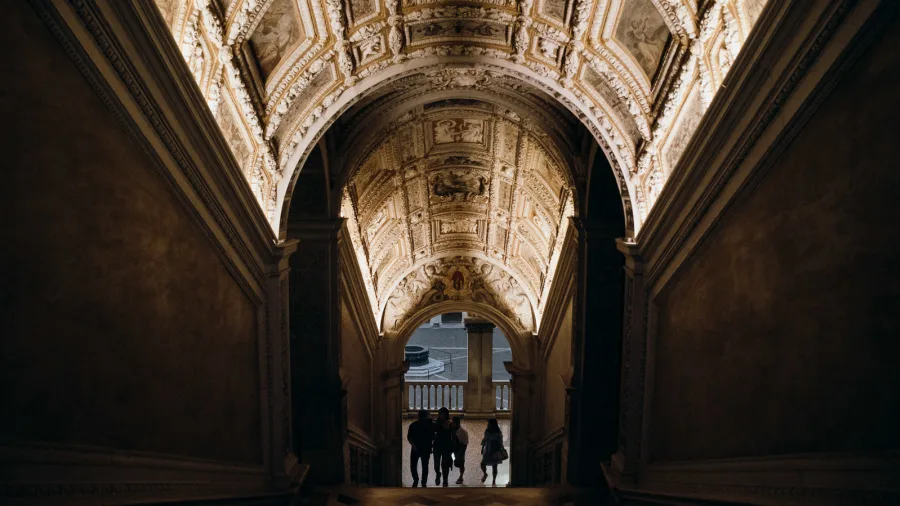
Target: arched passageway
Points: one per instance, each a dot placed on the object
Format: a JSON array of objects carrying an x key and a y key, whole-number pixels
[
  {"x": 456, "y": 205},
  {"x": 457, "y": 361}
]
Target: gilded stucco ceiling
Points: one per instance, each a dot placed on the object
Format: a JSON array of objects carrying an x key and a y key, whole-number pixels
[
  {"x": 463, "y": 195},
  {"x": 639, "y": 74},
  {"x": 435, "y": 189}
]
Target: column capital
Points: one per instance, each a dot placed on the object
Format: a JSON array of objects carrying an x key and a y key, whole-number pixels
[
  {"x": 632, "y": 251},
  {"x": 281, "y": 257},
  {"x": 315, "y": 229},
  {"x": 396, "y": 372},
  {"x": 477, "y": 325}
]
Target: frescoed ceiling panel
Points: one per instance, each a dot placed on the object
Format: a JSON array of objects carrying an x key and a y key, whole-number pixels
[
  {"x": 642, "y": 30},
  {"x": 280, "y": 30}
]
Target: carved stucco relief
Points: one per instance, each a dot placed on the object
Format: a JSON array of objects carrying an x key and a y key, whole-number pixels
[
  {"x": 358, "y": 38},
  {"x": 457, "y": 176},
  {"x": 458, "y": 278}
]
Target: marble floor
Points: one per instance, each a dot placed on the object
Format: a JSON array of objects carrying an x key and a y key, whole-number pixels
[{"x": 472, "y": 477}]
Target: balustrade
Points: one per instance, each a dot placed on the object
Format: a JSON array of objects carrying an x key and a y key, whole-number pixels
[
  {"x": 502, "y": 396},
  {"x": 432, "y": 395}
]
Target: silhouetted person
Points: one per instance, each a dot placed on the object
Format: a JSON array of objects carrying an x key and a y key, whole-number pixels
[
  {"x": 491, "y": 449},
  {"x": 460, "y": 443},
  {"x": 420, "y": 436},
  {"x": 443, "y": 446}
]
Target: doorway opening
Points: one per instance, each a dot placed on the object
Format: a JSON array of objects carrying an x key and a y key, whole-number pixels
[{"x": 459, "y": 366}]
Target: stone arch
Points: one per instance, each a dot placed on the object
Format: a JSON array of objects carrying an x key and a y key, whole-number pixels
[
  {"x": 603, "y": 131},
  {"x": 519, "y": 341}
]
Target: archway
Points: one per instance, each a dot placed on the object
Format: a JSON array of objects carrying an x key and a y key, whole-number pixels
[
  {"x": 605, "y": 130},
  {"x": 469, "y": 378}
]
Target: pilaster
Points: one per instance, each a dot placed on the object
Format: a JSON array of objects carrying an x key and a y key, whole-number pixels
[
  {"x": 480, "y": 387},
  {"x": 281, "y": 454},
  {"x": 391, "y": 437},
  {"x": 524, "y": 421},
  {"x": 626, "y": 461}
]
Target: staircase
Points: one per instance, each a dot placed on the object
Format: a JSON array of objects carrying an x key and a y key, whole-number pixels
[{"x": 438, "y": 496}]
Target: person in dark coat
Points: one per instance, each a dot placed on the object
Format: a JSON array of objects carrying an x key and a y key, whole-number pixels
[
  {"x": 443, "y": 446},
  {"x": 421, "y": 437},
  {"x": 491, "y": 448}
]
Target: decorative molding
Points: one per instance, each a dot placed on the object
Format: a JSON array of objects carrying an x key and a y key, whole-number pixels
[
  {"x": 49, "y": 472},
  {"x": 338, "y": 22}
]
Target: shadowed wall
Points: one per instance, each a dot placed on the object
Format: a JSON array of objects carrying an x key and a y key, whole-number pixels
[
  {"x": 357, "y": 365},
  {"x": 781, "y": 337},
  {"x": 121, "y": 327}
]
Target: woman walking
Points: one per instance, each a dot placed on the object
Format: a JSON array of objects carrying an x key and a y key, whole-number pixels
[{"x": 492, "y": 450}]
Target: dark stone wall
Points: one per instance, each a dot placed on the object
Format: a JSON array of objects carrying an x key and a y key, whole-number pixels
[
  {"x": 782, "y": 336},
  {"x": 357, "y": 365},
  {"x": 317, "y": 402},
  {"x": 120, "y": 325}
]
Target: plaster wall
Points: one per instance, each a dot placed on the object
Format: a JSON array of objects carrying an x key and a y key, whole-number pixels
[
  {"x": 781, "y": 336},
  {"x": 358, "y": 367},
  {"x": 558, "y": 363},
  {"x": 120, "y": 326}
]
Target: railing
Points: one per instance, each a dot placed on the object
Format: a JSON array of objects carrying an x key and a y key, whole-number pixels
[
  {"x": 502, "y": 396},
  {"x": 432, "y": 395},
  {"x": 546, "y": 459},
  {"x": 363, "y": 457}
]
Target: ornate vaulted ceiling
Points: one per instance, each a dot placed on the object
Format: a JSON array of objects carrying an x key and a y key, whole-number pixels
[
  {"x": 459, "y": 198},
  {"x": 638, "y": 73},
  {"x": 459, "y": 123}
]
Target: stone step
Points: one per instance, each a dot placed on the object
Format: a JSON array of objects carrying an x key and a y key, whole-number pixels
[{"x": 437, "y": 496}]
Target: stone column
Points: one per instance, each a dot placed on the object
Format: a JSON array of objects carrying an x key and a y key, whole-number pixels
[
  {"x": 391, "y": 437},
  {"x": 627, "y": 459},
  {"x": 480, "y": 387},
  {"x": 283, "y": 461},
  {"x": 523, "y": 423}
]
